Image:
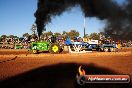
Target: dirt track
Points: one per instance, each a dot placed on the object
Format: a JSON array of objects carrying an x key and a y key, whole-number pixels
[{"x": 20, "y": 69}]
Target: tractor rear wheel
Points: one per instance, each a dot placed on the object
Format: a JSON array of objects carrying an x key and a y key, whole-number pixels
[{"x": 54, "y": 48}]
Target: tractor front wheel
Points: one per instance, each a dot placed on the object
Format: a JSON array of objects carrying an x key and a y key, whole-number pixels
[
  {"x": 34, "y": 51},
  {"x": 54, "y": 48}
]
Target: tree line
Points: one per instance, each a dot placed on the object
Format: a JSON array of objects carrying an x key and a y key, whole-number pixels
[{"x": 72, "y": 34}]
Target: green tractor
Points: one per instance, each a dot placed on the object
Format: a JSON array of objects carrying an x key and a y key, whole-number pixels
[{"x": 52, "y": 47}]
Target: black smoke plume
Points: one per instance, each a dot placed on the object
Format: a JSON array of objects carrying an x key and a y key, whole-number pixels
[
  {"x": 120, "y": 27},
  {"x": 102, "y": 9}
]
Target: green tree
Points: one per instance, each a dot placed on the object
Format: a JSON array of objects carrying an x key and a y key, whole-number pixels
[
  {"x": 64, "y": 33},
  {"x": 34, "y": 28},
  {"x": 49, "y": 33},
  {"x": 34, "y": 36},
  {"x": 57, "y": 34},
  {"x": 73, "y": 33},
  {"x": 16, "y": 37},
  {"x": 0, "y": 39},
  {"x": 25, "y": 35},
  {"x": 3, "y": 36},
  {"x": 86, "y": 36},
  {"x": 21, "y": 39},
  {"x": 11, "y": 36},
  {"x": 94, "y": 36}
]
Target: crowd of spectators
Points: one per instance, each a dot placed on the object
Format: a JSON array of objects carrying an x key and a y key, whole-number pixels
[{"x": 26, "y": 43}]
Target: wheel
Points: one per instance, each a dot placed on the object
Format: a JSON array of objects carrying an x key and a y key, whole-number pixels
[
  {"x": 54, "y": 48},
  {"x": 61, "y": 50},
  {"x": 97, "y": 49},
  {"x": 111, "y": 49},
  {"x": 101, "y": 49},
  {"x": 106, "y": 49},
  {"x": 34, "y": 51}
]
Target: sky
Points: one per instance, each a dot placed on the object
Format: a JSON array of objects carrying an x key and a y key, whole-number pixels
[{"x": 17, "y": 17}]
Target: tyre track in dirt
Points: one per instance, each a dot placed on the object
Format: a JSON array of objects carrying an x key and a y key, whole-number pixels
[{"x": 7, "y": 60}]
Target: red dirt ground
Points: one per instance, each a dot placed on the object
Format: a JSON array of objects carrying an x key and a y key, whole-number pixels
[{"x": 37, "y": 70}]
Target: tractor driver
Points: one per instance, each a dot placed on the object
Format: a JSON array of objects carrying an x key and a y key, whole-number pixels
[{"x": 53, "y": 39}]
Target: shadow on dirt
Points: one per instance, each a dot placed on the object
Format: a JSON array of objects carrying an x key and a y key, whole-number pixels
[{"x": 61, "y": 75}]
